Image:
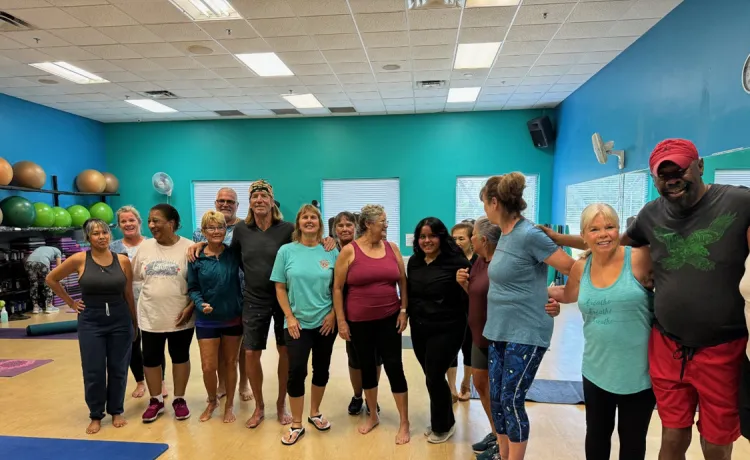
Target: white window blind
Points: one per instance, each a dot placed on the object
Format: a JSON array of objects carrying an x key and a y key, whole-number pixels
[
  {"x": 352, "y": 194},
  {"x": 732, "y": 177},
  {"x": 469, "y": 206},
  {"x": 204, "y": 197}
]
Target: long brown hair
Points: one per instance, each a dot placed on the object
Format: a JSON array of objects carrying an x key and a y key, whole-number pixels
[{"x": 297, "y": 234}]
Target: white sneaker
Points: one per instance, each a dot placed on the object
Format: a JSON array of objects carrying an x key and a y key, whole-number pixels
[
  {"x": 52, "y": 310},
  {"x": 36, "y": 310},
  {"x": 438, "y": 438}
]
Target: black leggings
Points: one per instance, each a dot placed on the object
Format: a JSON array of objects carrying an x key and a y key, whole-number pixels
[
  {"x": 136, "y": 360},
  {"x": 178, "y": 343},
  {"x": 299, "y": 355},
  {"x": 379, "y": 338},
  {"x": 465, "y": 350},
  {"x": 634, "y": 413}
]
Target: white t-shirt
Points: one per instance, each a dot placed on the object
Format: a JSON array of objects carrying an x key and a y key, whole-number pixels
[
  {"x": 164, "y": 292},
  {"x": 745, "y": 291}
]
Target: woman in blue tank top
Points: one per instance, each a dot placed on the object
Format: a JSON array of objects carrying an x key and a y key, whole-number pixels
[{"x": 612, "y": 285}]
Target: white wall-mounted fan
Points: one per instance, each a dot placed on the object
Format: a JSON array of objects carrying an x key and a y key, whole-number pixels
[
  {"x": 602, "y": 149},
  {"x": 163, "y": 184}
]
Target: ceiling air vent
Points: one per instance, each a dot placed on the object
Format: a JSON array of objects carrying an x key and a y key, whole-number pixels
[
  {"x": 285, "y": 111},
  {"x": 229, "y": 113},
  {"x": 342, "y": 109},
  {"x": 10, "y": 23},
  {"x": 433, "y": 4},
  {"x": 430, "y": 84},
  {"x": 159, "y": 94}
]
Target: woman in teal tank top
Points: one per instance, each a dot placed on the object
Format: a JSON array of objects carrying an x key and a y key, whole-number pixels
[{"x": 612, "y": 286}]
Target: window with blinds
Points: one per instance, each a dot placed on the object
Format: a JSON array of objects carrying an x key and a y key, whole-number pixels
[
  {"x": 204, "y": 197},
  {"x": 732, "y": 177},
  {"x": 352, "y": 194},
  {"x": 469, "y": 206},
  {"x": 626, "y": 193}
]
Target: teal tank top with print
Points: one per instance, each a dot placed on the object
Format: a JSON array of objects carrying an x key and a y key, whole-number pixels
[{"x": 616, "y": 326}]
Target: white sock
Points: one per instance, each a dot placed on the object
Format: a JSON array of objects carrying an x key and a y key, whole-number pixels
[
  {"x": 357, "y": 397},
  {"x": 179, "y": 397},
  {"x": 159, "y": 398}
]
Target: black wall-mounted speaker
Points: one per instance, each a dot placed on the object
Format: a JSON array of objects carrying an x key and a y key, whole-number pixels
[{"x": 542, "y": 133}]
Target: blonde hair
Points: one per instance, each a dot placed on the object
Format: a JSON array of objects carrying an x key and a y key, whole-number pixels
[
  {"x": 276, "y": 215},
  {"x": 507, "y": 189},
  {"x": 130, "y": 209},
  {"x": 213, "y": 217},
  {"x": 368, "y": 214},
  {"x": 297, "y": 234},
  {"x": 591, "y": 212}
]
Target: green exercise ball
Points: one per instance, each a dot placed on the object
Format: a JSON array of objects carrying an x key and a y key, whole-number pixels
[
  {"x": 62, "y": 217},
  {"x": 18, "y": 212},
  {"x": 79, "y": 215},
  {"x": 102, "y": 211},
  {"x": 44, "y": 215}
]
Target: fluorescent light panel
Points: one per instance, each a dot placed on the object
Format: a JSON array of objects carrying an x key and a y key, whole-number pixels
[
  {"x": 476, "y": 55},
  {"x": 265, "y": 64},
  {"x": 150, "y": 105},
  {"x": 69, "y": 72},
  {"x": 477, "y": 3},
  {"x": 456, "y": 95},
  {"x": 207, "y": 10},
  {"x": 303, "y": 101}
]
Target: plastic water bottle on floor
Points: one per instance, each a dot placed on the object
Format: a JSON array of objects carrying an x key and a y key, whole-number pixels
[{"x": 4, "y": 314}]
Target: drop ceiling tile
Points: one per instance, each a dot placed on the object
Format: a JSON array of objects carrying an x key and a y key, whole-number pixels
[
  {"x": 263, "y": 9},
  {"x": 535, "y": 81},
  {"x": 518, "y": 72},
  {"x": 256, "y": 113},
  {"x": 224, "y": 30},
  {"x": 650, "y": 9},
  {"x": 466, "y": 83},
  {"x": 302, "y": 57},
  {"x": 47, "y": 18},
  {"x": 318, "y": 7},
  {"x": 130, "y": 34},
  {"x": 17, "y": 82},
  {"x": 532, "y": 89},
  {"x": 325, "y": 89},
  {"x": 385, "y": 39},
  {"x": 585, "y": 45},
  {"x": 100, "y": 65},
  {"x": 522, "y": 33},
  {"x": 278, "y": 105},
  {"x": 586, "y": 69},
  {"x": 134, "y": 65},
  {"x": 326, "y": 25},
  {"x": 469, "y": 74},
  {"x": 543, "y": 14},
  {"x": 631, "y": 28},
  {"x": 179, "y": 32},
  {"x": 231, "y": 95},
  {"x": 434, "y": 37},
  {"x": 499, "y": 16},
  {"x": 404, "y": 94},
  {"x": 381, "y": 22},
  {"x": 96, "y": 97},
  {"x": 296, "y": 43},
  {"x": 232, "y": 72},
  {"x": 481, "y": 34},
  {"x": 84, "y": 36},
  {"x": 571, "y": 78},
  {"x": 153, "y": 12},
  {"x": 8, "y": 44},
  {"x": 68, "y": 53},
  {"x": 379, "y": 6},
  {"x": 396, "y": 86},
  {"x": 120, "y": 77},
  {"x": 432, "y": 64},
  {"x": 364, "y": 105},
  {"x": 557, "y": 96},
  {"x": 565, "y": 87},
  {"x": 403, "y": 66},
  {"x": 332, "y": 80},
  {"x": 500, "y": 91},
  {"x": 112, "y": 51},
  {"x": 37, "y": 38},
  {"x": 350, "y": 67},
  {"x": 434, "y": 19},
  {"x": 172, "y": 85},
  {"x": 140, "y": 86},
  {"x": 547, "y": 70},
  {"x": 601, "y": 11},
  {"x": 389, "y": 77},
  {"x": 10, "y": 4},
  {"x": 389, "y": 54},
  {"x": 432, "y": 52},
  {"x": 521, "y": 60},
  {"x": 560, "y": 59},
  {"x": 193, "y": 93},
  {"x": 356, "y": 78},
  {"x": 101, "y": 16},
  {"x": 584, "y": 29},
  {"x": 251, "y": 45},
  {"x": 311, "y": 69},
  {"x": 600, "y": 57},
  {"x": 517, "y": 48},
  {"x": 153, "y": 75},
  {"x": 176, "y": 63},
  {"x": 282, "y": 81},
  {"x": 219, "y": 61},
  {"x": 531, "y": 97},
  {"x": 354, "y": 55},
  {"x": 338, "y": 41},
  {"x": 281, "y": 27}
]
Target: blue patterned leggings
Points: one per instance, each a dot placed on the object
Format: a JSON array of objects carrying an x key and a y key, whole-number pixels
[{"x": 512, "y": 369}]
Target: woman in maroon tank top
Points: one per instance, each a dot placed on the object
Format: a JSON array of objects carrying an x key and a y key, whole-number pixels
[{"x": 375, "y": 317}]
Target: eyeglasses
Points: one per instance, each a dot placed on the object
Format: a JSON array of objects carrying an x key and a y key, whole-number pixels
[
  {"x": 214, "y": 229},
  {"x": 226, "y": 202}
]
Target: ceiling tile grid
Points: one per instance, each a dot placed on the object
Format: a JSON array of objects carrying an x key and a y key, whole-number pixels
[{"x": 372, "y": 55}]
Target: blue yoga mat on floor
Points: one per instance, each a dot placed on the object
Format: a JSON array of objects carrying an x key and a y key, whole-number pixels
[{"x": 22, "y": 448}]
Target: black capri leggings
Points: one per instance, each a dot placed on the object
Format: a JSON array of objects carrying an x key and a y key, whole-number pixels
[
  {"x": 379, "y": 338},
  {"x": 178, "y": 343},
  {"x": 299, "y": 355},
  {"x": 465, "y": 349},
  {"x": 136, "y": 360}
]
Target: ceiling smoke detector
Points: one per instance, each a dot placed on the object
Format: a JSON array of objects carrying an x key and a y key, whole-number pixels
[
  {"x": 433, "y": 4},
  {"x": 391, "y": 67}
]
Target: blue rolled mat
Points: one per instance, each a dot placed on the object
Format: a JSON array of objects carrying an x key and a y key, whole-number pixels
[{"x": 60, "y": 327}]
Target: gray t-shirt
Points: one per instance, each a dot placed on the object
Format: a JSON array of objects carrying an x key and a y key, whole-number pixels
[
  {"x": 259, "y": 250},
  {"x": 44, "y": 255},
  {"x": 698, "y": 260}
]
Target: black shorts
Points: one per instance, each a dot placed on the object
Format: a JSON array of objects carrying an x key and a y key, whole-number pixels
[
  {"x": 354, "y": 359},
  {"x": 745, "y": 399},
  {"x": 479, "y": 358},
  {"x": 218, "y": 332},
  {"x": 256, "y": 323}
]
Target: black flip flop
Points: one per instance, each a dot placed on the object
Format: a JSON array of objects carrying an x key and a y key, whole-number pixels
[
  {"x": 300, "y": 432},
  {"x": 319, "y": 418}
]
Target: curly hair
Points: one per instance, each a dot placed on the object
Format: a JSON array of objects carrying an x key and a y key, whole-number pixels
[{"x": 368, "y": 214}]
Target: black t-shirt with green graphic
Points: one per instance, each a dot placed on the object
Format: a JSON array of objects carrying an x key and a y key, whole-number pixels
[{"x": 698, "y": 260}]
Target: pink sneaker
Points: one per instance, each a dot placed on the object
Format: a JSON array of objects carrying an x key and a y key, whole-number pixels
[
  {"x": 181, "y": 411},
  {"x": 155, "y": 409}
]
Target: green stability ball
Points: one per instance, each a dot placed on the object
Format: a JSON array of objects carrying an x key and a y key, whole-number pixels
[
  {"x": 44, "y": 215},
  {"x": 102, "y": 211},
  {"x": 62, "y": 217},
  {"x": 79, "y": 215},
  {"x": 18, "y": 212}
]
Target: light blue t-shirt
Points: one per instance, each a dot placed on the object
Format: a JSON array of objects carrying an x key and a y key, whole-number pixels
[
  {"x": 308, "y": 274},
  {"x": 518, "y": 288},
  {"x": 617, "y": 323},
  {"x": 45, "y": 255}
]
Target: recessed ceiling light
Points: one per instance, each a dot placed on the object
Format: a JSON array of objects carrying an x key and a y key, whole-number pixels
[
  {"x": 150, "y": 105},
  {"x": 206, "y": 10},
  {"x": 391, "y": 67},
  {"x": 303, "y": 101},
  {"x": 265, "y": 64},
  {"x": 476, "y": 55},
  {"x": 463, "y": 94},
  {"x": 476, "y": 3},
  {"x": 69, "y": 72}
]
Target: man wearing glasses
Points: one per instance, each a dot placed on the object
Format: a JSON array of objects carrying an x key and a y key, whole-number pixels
[{"x": 698, "y": 236}]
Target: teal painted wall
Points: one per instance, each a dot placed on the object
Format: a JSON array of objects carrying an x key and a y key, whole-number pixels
[{"x": 426, "y": 152}]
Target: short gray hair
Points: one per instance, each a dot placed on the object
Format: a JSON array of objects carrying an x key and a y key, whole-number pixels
[
  {"x": 488, "y": 230},
  {"x": 130, "y": 209},
  {"x": 91, "y": 224},
  {"x": 369, "y": 213},
  {"x": 228, "y": 189}
]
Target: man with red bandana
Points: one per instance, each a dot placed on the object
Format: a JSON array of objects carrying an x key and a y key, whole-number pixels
[{"x": 698, "y": 236}]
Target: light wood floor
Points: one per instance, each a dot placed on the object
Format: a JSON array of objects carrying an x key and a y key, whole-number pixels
[{"x": 48, "y": 402}]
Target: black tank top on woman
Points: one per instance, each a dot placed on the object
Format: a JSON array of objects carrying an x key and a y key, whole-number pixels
[{"x": 102, "y": 284}]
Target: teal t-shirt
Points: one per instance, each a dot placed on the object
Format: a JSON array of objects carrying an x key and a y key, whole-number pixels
[
  {"x": 518, "y": 288},
  {"x": 617, "y": 323},
  {"x": 308, "y": 275}
]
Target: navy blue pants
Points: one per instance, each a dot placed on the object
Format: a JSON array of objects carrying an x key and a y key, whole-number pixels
[{"x": 105, "y": 337}]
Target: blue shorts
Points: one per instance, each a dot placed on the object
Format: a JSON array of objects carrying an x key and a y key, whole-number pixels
[{"x": 218, "y": 332}]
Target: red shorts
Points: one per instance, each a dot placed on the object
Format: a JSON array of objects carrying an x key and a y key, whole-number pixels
[{"x": 711, "y": 381}]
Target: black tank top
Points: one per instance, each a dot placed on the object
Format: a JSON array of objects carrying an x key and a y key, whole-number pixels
[{"x": 102, "y": 284}]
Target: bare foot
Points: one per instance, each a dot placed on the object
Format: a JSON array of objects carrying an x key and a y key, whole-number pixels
[
  {"x": 285, "y": 418},
  {"x": 118, "y": 421},
  {"x": 403, "y": 436},
  {"x": 257, "y": 417},
  {"x": 94, "y": 427},
  {"x": 369, "y": 425},
  {"x": 140, "y": 390},
  {"x": 206, "y": 415},
  {"x": 246, "y": 394},
  {"x": 229, "y": 414}
]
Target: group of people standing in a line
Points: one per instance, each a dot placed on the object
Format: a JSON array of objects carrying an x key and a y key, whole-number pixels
[{"x": 481, "y": 288}]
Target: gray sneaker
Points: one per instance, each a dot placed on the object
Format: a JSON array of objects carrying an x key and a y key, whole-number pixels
[
  {"x": 439, "y": 438},
  {"x": 492, "y": 453},
  {"x": 484, "y": 444}
]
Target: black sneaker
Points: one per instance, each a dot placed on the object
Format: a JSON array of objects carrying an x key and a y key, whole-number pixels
[
  {"x": 355, "y": 406},
  {"x": 367, "y": 409},
  {"x": 492, "y": 453},
  {"x": 484, "y": 444}
]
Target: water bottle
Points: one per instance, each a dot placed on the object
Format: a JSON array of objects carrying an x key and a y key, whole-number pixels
[{"x": 4, "y": 314}]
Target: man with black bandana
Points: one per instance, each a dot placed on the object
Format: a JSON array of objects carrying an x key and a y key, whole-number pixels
[{"x": 698, "y": 236}]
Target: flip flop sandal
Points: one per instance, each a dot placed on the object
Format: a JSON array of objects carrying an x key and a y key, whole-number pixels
[
  {"x": 319, "y": 418},
  {"x": 465, "y": 390},
  {"x": 300, "y": 432}
]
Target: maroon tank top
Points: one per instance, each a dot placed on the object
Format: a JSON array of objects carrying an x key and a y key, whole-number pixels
[{"x": 371, "y": 286}]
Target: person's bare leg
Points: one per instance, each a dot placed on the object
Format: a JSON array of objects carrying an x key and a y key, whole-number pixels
[
  {"x": 246, "y": 394},
  {"x": 316, "y": 397},
  {"x": 283, "y": 373},
  {"x": 210, "y": 350},
  {"x": 402, "y": 404},
  {"x": 675, "y": 443},
  {"x": 715, "y": 451},
  {"x": 118, "y": 421},
  {"x": 517, "y": 450},
  {"x": 504, "y": 443},
  {"x": 355, "y": 376},
  {"x": 229, "y": 347},
  {"x": 451, "y": 374},
  {"x": 297, "y": 405},
  {"x": 255, "y": 372},
  {"x": 181, "y": 375},
  {"x": 221, "y": 388},
  {"x": 464, "y": 393},
  {"x": 482, "y": 384},
  {"x": 372, "y": 420}
]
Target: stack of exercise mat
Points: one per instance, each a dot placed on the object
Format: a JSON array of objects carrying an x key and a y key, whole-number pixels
[
  {"x": 557, "y": 277},
  {"x": 68, "y": 246}
]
